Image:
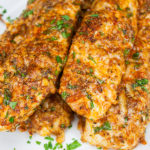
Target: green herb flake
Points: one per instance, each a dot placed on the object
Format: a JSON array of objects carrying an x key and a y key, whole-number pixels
[
  {"x": 70, "y": 126},
  {"x": 53, "y": 38},
  {"x": 53, "y": 21},
  {"x": 58, "y": 59},
  {"x": 30, "y": 137},
  {"x": 28, "y": 142},
  {"x": 94, "y": 15},
  {"x": 92, "y": 59},
  {"x": 78, "y": 61},
  {"x": 136, "y": 55},
  {"x": 49, "y": 138},
  {"x": 62, "y": 125},
  {"x": 129, "y": 15},
  {"x": 6, "y": 116},
  {"x": 30, "y": 1},
  {"x": 53, "y": 108},
  {"x": 106, "y": 126},
  {"x": 126, "y": 52},
  {"x": 92, "y": 104},
  {"x": 74, "y": 145},
  {"x": 10, "y": 20},
  {"x": 13, "y": 104},
  {"x": 65, "y": 34},
  {"x": 74, "y": 55},
  {"x": 71, "y": 86},
  {"x": 7, "y": 96},
  {"x": 66, "y": 17},
  {"x": 4, "y": 11},
  {"x": 100, "y": 81},
  {"x": 38, "y": 142},
  {"x": 126, "y": 119},
  {"x": 144, "y": 89},
  {"x": 27, "y": 13},
  {"x": 6, "y": 74},
  {"x": 118, "y": 7},
  {"x": 64, "y": 95},
  {"x": 11, "y": 119},
  {"x": 34, "y": 88}
]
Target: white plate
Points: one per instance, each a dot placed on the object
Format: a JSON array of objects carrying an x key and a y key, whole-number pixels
[{"x": 9, "y": 141}]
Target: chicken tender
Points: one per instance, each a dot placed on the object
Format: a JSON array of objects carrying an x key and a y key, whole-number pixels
[
  {"x": 96, "y": 62},
  {"x": 124, "y": 125},
  {"x": 52, "y": 117},
  {"x": 29, "y": 71}
]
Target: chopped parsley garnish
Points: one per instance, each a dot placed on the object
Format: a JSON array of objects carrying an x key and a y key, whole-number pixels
[
  {"x": 129, "y": 15},
  {"x": 74, "y": 55},
  {"x": 65, "y": 34},
  {"x": 62, "y": 125},
  {"x": 28, "y": 142},
  {"x": 38, "y": 142},
  {"x": 30, "y": 137},
  {"x": 141, "y": 83},
  {"x": 6, "y": 116},
  {"x": 11, "y": 119},
  {"x": 49, "y": 138},
  {"x": 78, "y": 61},
  {"x": 94, "y": 15},
  {"x": 118, "y": 7},
  {"x": 27, "y": 13},
  {"x": 9, "y": 19},
  {"x": 100, "y": 81},
  {"x": 6, "y": 74},
  {"x": 74, "y": 145},
  {"x": 127, "y": 62},
  {"x": 58, "y": 59},
  {"x": 53, "y": 38},
  {"x": 91, "y": 58},
  {"x": 136, "y": 55},
  {"x": 126, "y": 52},
  {"x": 53, "y": 108},
  {"x": 64, "y": 95},
  {"x": 126, "y": 119},
  {"x": 71, "y": 86},
  {"x": 7, "y": 96},
  {"x": 70, "y": 126},
  {"x": 34, "y": 88},
  {"x": 53, "y": 21},
  {"x": 106, "y": 126},
  {"x": 66, "y": 17},
  {"x": 92, "y": 104},
  {"x": 91, "y": 70},
  {"x": 30, "y": 1},
  {"x": 13, "y": 104},
  {"x": 4, "y": 11},
  {"x": 124, "y": 31}
]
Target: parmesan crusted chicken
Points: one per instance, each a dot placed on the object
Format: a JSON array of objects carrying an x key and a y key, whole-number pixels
[
  {"x": 33, "y": 56},
  {"x": 124, "y": 125},
  {"x": 52, "y": 117},
  {"x": 96, "y": 63}
]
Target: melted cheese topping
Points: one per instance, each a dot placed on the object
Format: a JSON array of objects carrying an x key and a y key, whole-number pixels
[{"x": 96, "y": 61}]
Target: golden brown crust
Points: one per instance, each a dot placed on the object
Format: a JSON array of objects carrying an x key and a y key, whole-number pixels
[
  {"x": 96, "y": 63},
  {"x": 29, "y": 70},
  {"x": 52, "y": 117}
]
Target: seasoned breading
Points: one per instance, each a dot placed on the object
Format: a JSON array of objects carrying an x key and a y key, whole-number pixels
[
  {"x": 124, "y": 125},
  {"x": 96, "y": 63},
  {"x": 29, "y": 71},
  {"x": 52, "y": 117}
]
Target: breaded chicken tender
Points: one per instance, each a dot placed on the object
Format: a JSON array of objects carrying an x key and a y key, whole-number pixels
[
  {"x": 52, "y": 117},
  {"x": 96, "y": 62},
  {"x": 33, "y": 54},
  {"x": 124, "y": 125}
]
